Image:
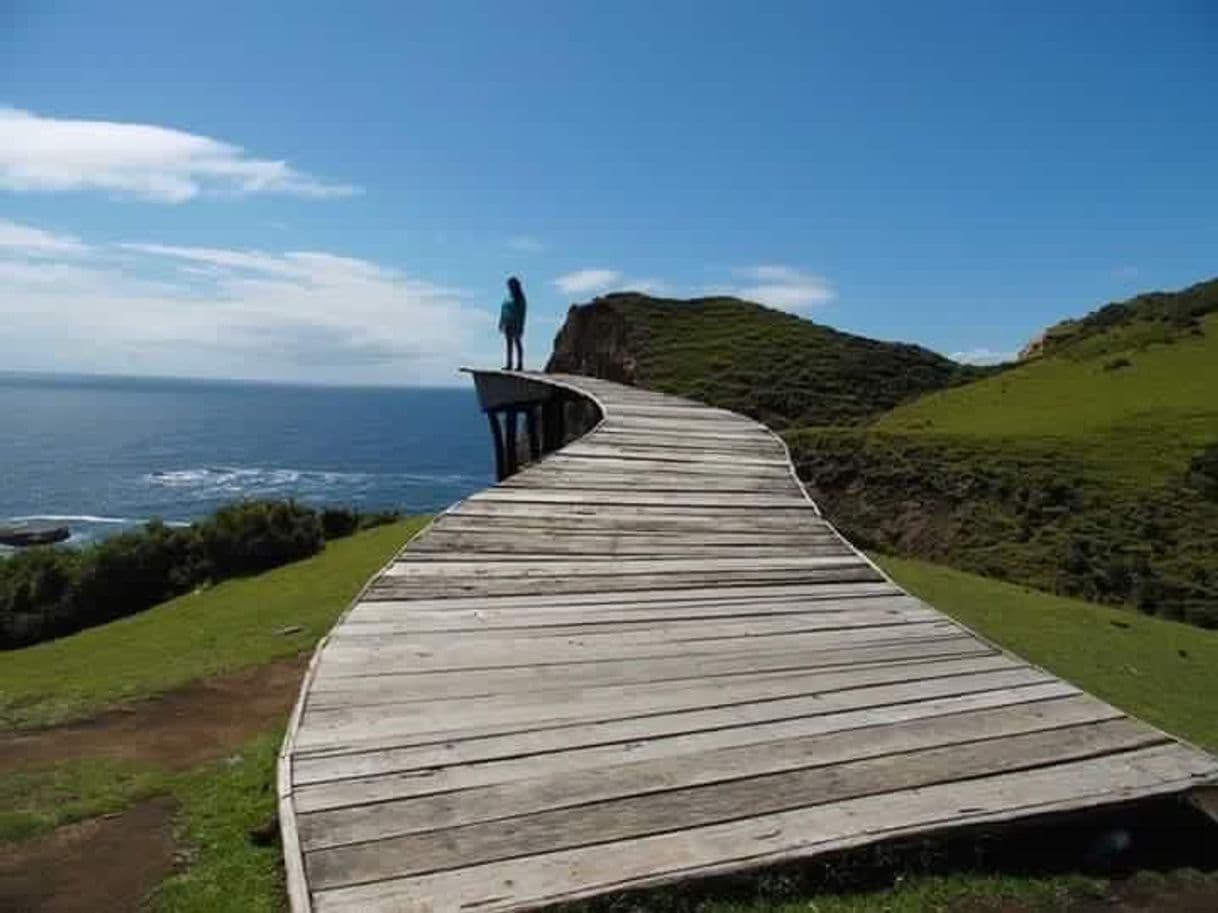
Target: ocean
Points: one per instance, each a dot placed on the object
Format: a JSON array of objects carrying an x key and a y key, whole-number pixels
[{"x": 104, "y": 454}]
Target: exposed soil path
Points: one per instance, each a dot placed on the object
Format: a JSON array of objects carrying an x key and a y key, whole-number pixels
[
  {"x": 202, "y": 722},
  {"x": 107, "y": 863}
]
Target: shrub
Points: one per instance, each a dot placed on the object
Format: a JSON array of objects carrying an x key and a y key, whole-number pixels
[
  {"x": 337, "y": 522},
  {"x": 36, "y": 595},
  {"x": 254, "y": 536},
  {"x": 378, "y": 518},
  {"x": 132, "y": 571},
  {"x": 49, "y": 592}
]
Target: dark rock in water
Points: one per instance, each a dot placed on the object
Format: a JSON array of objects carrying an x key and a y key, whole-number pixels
[{"x": 33, "y": 532}]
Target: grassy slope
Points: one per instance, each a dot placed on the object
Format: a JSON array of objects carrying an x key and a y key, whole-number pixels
[
  {"x": 777, "y": 367},
  {"x": 229, "y": 626},
  {"x": 1162, "y": 671},
  {"x": 1135, "y": 425},
  {"x": 1066, "y": 473}
]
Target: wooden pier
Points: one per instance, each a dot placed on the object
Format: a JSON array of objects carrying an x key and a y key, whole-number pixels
[{"x": 646, "y": 657}]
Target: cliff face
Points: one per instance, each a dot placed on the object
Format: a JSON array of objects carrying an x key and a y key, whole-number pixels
[{"x": 594, "y": 341}]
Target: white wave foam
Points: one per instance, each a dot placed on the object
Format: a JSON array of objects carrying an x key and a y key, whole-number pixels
[
  {"x": 92, "y": 518},
  {"x": 77, "y": 518},
  {"x": 238, "y": 479}
]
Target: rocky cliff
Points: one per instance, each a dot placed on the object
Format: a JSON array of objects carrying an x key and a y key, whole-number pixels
[{"x": 593, "y": 341}]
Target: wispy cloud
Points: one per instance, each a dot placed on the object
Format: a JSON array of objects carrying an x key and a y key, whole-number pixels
[
  {"x": 587, "y": 281},
  {"x": 144, "y": 161},
  {"x": 527, "y": 244},
  {"x": 983, "y": 356},
  {"x": 783, "y": 287},
  {"x": 29, "y": 240},
  {"x": 1126, "y": 273},
  {"x": 294, "y": 315}
]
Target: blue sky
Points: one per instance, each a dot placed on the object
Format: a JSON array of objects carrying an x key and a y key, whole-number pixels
[{"x": 335, "y": 192}]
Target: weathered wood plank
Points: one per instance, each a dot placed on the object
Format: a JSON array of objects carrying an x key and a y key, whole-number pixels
[
  {"x": 596, "y": 724},
  {"x": 390, "y": 816},
  {"x": 408, "y": 687},
  {"x": 392, "y": 587},
  {"x": 767, "y": 839},
  {"x": 620, "y": 741},
  {"x": 414, "y": 619},
  {"x": 345, "y": 657},
  {"x": 698, "y": 806}
]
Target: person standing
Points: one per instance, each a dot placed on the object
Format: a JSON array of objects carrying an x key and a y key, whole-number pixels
[{"x": 511, "y": 322}]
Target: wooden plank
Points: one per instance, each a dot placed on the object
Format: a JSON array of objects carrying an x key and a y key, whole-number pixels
[
  {"x": 590, "y": 746},
  {"x": 699, "y": 806},
  {"x": 632, "y": 630},
  {"x": 395, "y": 587},
  {"x": 338, "y": 814},
  {"x": 343, "y": 782},
  {"x": 662, "y": 599},
  {"x": 667, "y": 455},
  {"x": 405, "y": 687},
  {"x": 787, "y": 501},
  {"x": 414, "y": 619},
  {"x": 353, "y": 706},
  {"x": 622, "y": 722},
  {"x": 772, "y": 838},
  {"x": 345, "y": 657},
  {"x": 405, "y": 566}
]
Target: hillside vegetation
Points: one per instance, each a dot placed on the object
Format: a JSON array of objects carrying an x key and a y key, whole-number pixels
[
  {"x": 232, "y": 625},
  {"x": 1090, "y": 470},
  {"x": 779, "y": 368}
]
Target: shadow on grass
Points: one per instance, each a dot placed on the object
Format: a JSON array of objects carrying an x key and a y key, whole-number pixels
[{"x": 1037, "y": 864}]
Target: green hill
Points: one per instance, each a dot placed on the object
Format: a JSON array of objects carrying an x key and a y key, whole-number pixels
[
  {"x": 774, "y": 366},
  {"x": 1090, "y": 469}
]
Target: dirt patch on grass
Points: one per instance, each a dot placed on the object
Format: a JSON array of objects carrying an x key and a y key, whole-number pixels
[
  {"x": 107, "y": 863},
  {"x": 202, "y": 722}
]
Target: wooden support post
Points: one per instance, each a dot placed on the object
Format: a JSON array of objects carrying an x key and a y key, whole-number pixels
[
  {"x": 548, "y": 420},
  {"x": 560, "y": 422},
  {"x": 511, "y": 455},
  {"x": 497, "y": 436},
  {"x": 530, "y": 422}
]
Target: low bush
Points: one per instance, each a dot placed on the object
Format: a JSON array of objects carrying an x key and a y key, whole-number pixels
[
  {"x": 253, "y": 536},
  {"x": 51, "y": 591}
]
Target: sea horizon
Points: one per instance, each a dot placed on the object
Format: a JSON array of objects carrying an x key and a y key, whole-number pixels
[{"x": 105, "y": 453}]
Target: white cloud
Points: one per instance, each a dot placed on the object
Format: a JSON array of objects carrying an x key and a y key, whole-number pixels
[
  {"x": 783, "y": 287},
  {"x": 983, "y": 356},
  {"x": 148, "y": 162},
  {"x": 35, "y": 241},
  {"x": 296, "y": 315},
  {"x": 587, "y": 281},
  {"x": 527, "y": 244}
]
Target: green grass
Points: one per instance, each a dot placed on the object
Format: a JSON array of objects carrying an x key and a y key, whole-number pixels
[
  {"x": 1161, "y": 671},
  {"x": 36, "y": 800},
  {"x": 1139, "y": 424},
  {"x": 219, "y": 806},
  {"x": 226, "y": 627}
]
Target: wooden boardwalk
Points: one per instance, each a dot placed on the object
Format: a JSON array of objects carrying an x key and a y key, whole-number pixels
[{"x": 647, "y": 658}]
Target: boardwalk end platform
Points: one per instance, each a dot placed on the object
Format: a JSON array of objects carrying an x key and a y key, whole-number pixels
[{"x": 643, "y": 657}]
